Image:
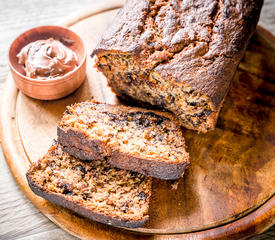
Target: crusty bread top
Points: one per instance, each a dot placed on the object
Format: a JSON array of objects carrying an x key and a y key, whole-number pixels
[
  {"x": 195, "y": 42},
  {"x": 96, "y": 186},
  {"x": 136, "y": 132}
]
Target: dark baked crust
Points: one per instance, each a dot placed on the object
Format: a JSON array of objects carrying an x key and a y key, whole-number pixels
[
  {"x": 163, "y": 170},
  {"x": 80, "y": 209},
  {"x": 199, "y": 43},
  {"x": 78, "y": 145},
  {"x": 77, "y": 140}
]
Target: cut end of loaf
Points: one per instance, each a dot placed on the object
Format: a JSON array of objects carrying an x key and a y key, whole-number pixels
[
  {"x": 179, "y": 55},
  {"x": 193, "y": 109},
  {"x": 93, "y": 189}
]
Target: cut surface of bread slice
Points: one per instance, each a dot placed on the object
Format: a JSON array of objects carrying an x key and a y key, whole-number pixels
[
  {"x": 92, "y": 189},
  {"x": 137, "y": 139}
]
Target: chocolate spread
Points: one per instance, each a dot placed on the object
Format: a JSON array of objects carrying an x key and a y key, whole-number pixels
[{"x": 49, "y": 58}]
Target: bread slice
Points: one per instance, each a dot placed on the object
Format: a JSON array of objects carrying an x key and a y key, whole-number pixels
[
  {"x": 179, "y": 55},
  {"x": 94, "y": 189},
  {"x": 137, "y": 139}
]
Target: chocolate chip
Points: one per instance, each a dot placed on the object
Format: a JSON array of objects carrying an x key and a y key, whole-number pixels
[
  {"x": 140, "y": 119},
  {"x": 159, "y": 121},
  {"x": 142, "y": 196},
  {"x": 227, "y": 12},
  {"x": 142, "y": 178},
  {"x": 192, "y": 104},
  {"x": 82, "y": 169},
  {"x": 106, "y": 169},
  {"x": 86, "y": 196},
  {"x": 100, "y": 66},
  {"x": 143, "y": 122},
  {"x": 95, "y": 148},
  {"x": 213, "y": 9},
  {"x": 67, "y": 111},
  {"x": 156, "y": 118},
  {"x": 69, "y": 193},
  {"x": 112, "y": 117},
  {"x": 160, "y": 138},
  {"x": 67, "y": 188},
  {"x": 134, "y": 174},
  {"x": 133, "y": 114},
  {"x": 125, "y": 207},
  {"x": 129, "y": 77},
  {"x": 207, "y": 112},
  {"x": 172, "y": 99}
]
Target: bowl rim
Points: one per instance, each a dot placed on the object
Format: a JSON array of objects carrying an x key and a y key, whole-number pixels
[{"x": 50, "y": 80}]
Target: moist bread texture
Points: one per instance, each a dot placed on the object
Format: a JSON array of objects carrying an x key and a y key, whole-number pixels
[
  {"x": 179, "y": 55},
  {"x": 94, "y": 189},
  {"x": 137, "y": 139}
]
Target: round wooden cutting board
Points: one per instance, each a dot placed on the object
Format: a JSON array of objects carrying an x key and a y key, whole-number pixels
[{"x": 228, "y": 191}]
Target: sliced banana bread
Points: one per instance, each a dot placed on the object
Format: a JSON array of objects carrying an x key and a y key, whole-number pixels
[
  {"x": 179, "y": 55},
  {"x": 137, "y": 139},
  {"x": 94, "y": 189}
]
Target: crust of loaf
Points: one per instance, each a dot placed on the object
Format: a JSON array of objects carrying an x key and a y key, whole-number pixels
[
  {"x": 203, "y": 56},
  {"x": 92, "y": 150}
]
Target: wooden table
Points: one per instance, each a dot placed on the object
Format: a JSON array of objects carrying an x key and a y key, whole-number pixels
[{"x": 19, "y": 219}]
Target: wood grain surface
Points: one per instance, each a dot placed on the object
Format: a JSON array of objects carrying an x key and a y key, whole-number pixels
[{"x": 18, "y": 218}]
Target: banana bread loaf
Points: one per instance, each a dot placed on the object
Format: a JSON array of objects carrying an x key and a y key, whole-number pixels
[
  {"x": 137, "y": 139},
  {"x": 94, "y": 189},
  {"x": 179, "y": 55}
]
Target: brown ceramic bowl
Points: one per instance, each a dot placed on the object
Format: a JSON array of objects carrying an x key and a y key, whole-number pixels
[{"x": 53, "y": 88}]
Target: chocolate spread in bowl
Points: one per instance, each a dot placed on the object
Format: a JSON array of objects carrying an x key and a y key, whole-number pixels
[{"x": 45, "y": 59}]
